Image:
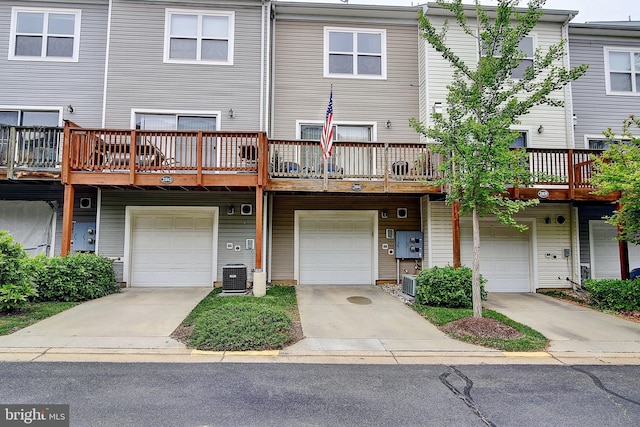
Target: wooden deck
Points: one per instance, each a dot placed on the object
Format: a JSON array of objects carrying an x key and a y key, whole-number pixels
[{"x": 228, "y": 160}]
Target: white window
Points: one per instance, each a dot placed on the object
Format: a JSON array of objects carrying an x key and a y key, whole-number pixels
[
  {"x": 355, "y": 53},
  {"x": 199, "y": 37},
  {"x": 19, "y": 117},
  {"x": 522, "y": 140},
  {"x": 161, "y": 121},
  {"x": 622, "y": 68},
  {"x": 527, "y": 47},
  {"x": 44, "y": 34}
]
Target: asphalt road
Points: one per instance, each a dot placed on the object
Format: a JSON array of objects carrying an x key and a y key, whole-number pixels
[{"x": 109, "y": 394}]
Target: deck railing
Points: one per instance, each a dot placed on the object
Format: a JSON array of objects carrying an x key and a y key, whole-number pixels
[
  {"x": 353, "y": 160},
  {"x": 31, "y": 148},
  {"x": 100, "y": 150},
  {"x": 573, "y": 167}
]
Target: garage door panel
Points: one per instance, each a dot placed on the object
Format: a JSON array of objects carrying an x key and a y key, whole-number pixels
[
  {"x": 504, "y": 256},
  {"x": 335, "y": 249},
  {"x": 173, "y": 249}
]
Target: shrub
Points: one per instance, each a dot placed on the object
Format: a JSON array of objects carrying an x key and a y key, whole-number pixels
[
  {"x": 242, "y": 326},
  {"x": 447, "y": 287},
  {"x": 76, "y": 277},
  {"x": 614, "y": 294},
  {"x": 12, "y": 261},
  {"x": 14, "y": 297}
]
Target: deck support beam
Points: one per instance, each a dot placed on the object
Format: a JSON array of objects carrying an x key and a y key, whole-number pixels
[
  {"x": 259, "y": 276},
  {"x": 67, "y": 219}
]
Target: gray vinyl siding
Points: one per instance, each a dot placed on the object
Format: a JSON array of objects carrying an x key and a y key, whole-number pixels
[
  {"x": 139, "y": 79},
  {"x": 284, "y": 207},
  {"x": 586, "y": 214},
  {"x": 595, "y": 110},
  {"x": 302, "y": 93},
  {"x": 53, "y": 193},
  {"x": 58, "y": 84},
  {"x": 231, "y": 228}
]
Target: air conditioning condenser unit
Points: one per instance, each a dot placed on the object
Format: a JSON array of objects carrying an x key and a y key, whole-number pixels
[
  {"x": 409, "y": 283},
  {"x": 234, "y": 278}
]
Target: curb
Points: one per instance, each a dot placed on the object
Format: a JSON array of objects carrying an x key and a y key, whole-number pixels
[{"x": 121, "y": 355}]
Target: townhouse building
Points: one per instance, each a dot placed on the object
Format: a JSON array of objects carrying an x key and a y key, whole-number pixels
[
  {"x": 192, "y": 135},
  {"x": 602, "y": 99}
]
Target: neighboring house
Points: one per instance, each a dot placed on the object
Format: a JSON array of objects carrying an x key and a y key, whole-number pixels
[
  {"x": 185, "y": 77},
  {"x": 52, "y": 57},
  {"x": 545, "y": 255},
  {"x": 602, "y": 99}
]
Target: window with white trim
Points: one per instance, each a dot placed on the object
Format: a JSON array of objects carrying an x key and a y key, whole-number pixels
[
  {"x": 522, "y": 140},
  {"x": 199, "y": 37},
  {"x": 154, "y": 121},
  {"x": 527, "y": 47},
  {"x": 44, "y": 34},
  {"x": 622, "y": 71},
  {"x": 29, "y": 118},
  {"x": 355, "y": 53}
]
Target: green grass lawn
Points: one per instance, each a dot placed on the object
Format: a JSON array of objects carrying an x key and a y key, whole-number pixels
[
  {"x": 242, "y": 322},
  {"x": 531, "y": 339},
  {"x": 34, "y": 312}
]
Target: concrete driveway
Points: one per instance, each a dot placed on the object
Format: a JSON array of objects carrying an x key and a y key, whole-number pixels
[
  {"x": 133, "y": 318},
  {"x": 365, "y": 318},
  {"x": 570, "y": 327}
]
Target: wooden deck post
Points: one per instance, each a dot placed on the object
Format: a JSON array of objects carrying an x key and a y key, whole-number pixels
[
  {"x": 67, "y": 219},
  {"x": 571, "y": 175},
  {"x": 259, "y": 276},
  {"x": 623, "y": 248},
  {"x": 199, "y": 148},
  {"x": 455, "y": 226}
]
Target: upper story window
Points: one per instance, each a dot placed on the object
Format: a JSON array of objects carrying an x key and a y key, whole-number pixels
[
  {"x": 44, "y": 34},
  {"x": 199, "y": 37},
  {"x": 622, "y": 68},
  {"x": 527, "y": 47},
  {"x": 351, "y": 133},
  {"x": 355, "y": 53}
]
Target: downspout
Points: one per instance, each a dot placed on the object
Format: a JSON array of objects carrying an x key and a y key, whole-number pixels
[
  {"x": 106, "y": 66},
  {"x": 262, "y": 64},
  {"x": 268, "y": 77}
]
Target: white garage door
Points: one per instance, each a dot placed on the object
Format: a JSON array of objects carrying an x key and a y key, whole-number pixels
[
  {"x": 504, "y": 256},
  {"x": 605, "y": 254},
  {"x": 336, "y": 248},
  {"x": 174, "y": 248}
]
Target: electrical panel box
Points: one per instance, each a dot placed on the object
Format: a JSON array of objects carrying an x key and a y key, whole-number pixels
[
  {"x": 409, "y": 244},
  {"x": 83, "y": 237}
]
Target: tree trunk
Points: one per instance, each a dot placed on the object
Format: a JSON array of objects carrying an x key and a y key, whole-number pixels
[{"x": 475, "y": 277}]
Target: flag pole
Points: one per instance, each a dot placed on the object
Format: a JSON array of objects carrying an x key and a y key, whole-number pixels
[{"x": 328, "y": 124}]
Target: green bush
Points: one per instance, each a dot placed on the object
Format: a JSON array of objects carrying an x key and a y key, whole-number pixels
[
  {"x": 447, "y": 287},
  {"x": 77, "y": 277},
  {"x": 614, "y": 294},
  {"x": 12, "y": 261},
  {"x": 15, "y": 297},
  {"x": 242, "y": 326}
]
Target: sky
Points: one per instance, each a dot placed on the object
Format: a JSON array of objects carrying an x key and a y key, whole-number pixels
[{"x": 589, "y": 10}]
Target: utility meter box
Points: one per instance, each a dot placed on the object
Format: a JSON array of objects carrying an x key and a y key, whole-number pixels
[
  {"x": 84, "y": 237},
  {"x": 409, "y": 244}
]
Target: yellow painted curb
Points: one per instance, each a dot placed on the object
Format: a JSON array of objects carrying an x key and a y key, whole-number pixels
[
  {"x": 253, "y": 353},
  {"x": 206, "y": 353},
  {"x": 526, "y": 354}
]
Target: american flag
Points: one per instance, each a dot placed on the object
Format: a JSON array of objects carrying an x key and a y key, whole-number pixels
[{"x": 326, "y": 140}]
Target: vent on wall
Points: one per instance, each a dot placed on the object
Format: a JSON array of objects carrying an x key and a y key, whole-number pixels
[
  {"x": 409, "y": 284},
  {"x": 246, "y": 209},
  {"x": 402, "y": 213},
  {"x": 85, "y": 203},
  {"x": 234, "y": 278}
]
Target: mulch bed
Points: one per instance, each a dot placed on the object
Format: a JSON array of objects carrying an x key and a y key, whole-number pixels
[{"x": 483, "y": 327}]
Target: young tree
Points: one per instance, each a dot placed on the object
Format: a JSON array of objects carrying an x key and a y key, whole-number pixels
[
  {"x": 483, "y": 101},
  {"x": 619, "y": 170}
]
